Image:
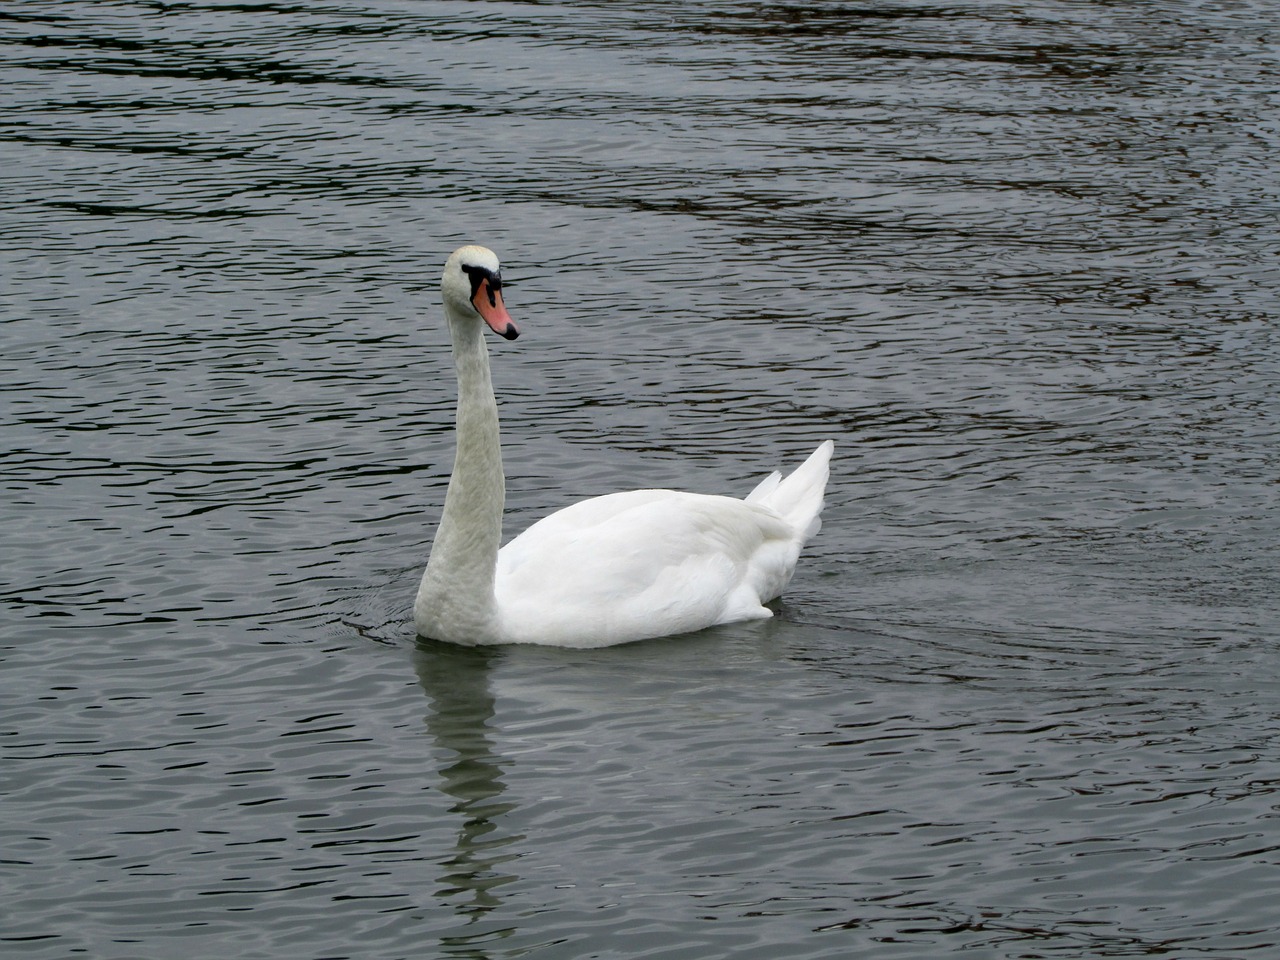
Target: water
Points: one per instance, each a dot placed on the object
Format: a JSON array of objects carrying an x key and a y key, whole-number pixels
[{"x": 1018, "y": 260}]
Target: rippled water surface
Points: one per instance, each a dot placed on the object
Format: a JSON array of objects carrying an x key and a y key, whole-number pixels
[{"x": 1017, "y": 259}]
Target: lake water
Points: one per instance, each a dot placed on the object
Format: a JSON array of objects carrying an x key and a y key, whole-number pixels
[{"x": 1018, "y": 259}]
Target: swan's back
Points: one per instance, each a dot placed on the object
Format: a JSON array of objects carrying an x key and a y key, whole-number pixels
[{"x": 650, "y": 563}]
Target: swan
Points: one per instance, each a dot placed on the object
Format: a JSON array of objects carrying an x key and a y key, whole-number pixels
[{"x": 607, "y": 570}]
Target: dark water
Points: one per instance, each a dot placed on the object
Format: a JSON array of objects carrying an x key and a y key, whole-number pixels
[{"x": 1019, "y": 260}]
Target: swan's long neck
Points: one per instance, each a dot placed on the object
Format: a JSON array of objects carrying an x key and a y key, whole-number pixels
[{"x": 456, "y": 601}]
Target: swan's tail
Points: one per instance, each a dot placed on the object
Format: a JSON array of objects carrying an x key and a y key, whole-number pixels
[{"x": 798, "y": 497}]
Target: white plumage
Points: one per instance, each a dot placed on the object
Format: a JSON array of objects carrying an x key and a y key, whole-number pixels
[{"x": 608, "y": 570}]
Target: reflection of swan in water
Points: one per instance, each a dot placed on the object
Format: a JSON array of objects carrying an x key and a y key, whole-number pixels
[
  {"x": 603, "y": 571},
  {"x": 456, "y": 680}
]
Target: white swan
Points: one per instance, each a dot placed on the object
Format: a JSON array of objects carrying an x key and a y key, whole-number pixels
[{"x": 611, "y": 569}]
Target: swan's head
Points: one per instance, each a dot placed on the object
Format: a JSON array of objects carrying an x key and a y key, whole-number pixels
[{"x": 472, "y": 287}]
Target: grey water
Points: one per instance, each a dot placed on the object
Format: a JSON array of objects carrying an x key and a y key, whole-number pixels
[{"x": 1019, "y": 260}]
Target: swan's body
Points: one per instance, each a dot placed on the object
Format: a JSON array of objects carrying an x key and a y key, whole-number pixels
[{"x": 611, "y": 569}]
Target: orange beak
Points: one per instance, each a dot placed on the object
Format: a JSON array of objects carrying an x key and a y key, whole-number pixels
[{"x": 488, "y": 301}]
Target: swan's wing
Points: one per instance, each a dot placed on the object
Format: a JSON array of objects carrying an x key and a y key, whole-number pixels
[
  {"x": 765, "y": 487},
  {"x": 641, "y": 564}
]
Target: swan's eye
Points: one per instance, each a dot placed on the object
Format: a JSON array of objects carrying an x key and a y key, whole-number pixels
[{"x": 478, "y": 275}]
